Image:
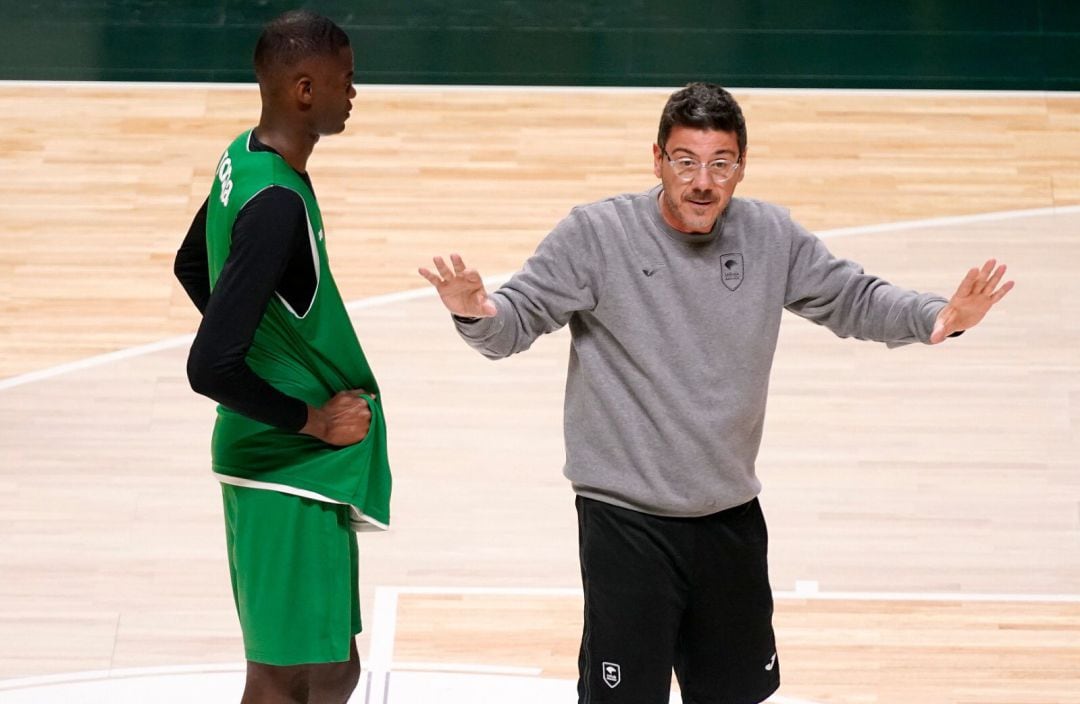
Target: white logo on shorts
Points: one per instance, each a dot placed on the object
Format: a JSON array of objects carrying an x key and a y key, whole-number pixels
[
  {"x": 612, "y": 674},
  {"x": 772, "y": 663}
]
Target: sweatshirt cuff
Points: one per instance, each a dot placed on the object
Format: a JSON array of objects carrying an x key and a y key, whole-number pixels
[
  {"x": 477, "y": 328},
  {"x": 933, "y": 309}
]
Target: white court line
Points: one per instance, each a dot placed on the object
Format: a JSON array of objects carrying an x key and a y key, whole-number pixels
[
  {"x": 489, "y": 88},
  {"x": 429, "y": 291},
  {"x": 466, "y": 668},
  {"x": 95, "y": 361},
  {"x": 384, "y": 630},
  {"x": 124, "y": 673},
  {"x": 950, "y": 221},
  {"x": 804, "y": 593},
  {"x": 381, "y": 651},
  {"x": 387, "y": 598}
]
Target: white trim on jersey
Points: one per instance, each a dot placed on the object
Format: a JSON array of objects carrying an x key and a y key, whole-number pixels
[
  {"x": 315, "y": 260},
  {"x": 360, "y": 521}
]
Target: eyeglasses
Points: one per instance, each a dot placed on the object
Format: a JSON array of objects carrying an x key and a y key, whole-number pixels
[{"x": 686, "y": 168}]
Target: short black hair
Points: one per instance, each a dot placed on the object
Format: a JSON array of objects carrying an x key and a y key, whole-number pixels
[
  {"x": 294, "y": 36},
  {"x": 703, "y": 106}
]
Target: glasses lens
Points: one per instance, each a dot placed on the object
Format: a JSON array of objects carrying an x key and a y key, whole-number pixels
[
  {"x": 719, "y": 171},
  {"x": 685, "y": 169}
]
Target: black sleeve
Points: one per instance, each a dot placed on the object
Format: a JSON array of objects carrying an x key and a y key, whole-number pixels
[
  {"x": 265, "y": 237},
  {"x": 190, "y": 266}
]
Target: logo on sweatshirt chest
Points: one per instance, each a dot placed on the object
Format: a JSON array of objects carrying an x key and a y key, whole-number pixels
[{"x": 731, "y": 270}]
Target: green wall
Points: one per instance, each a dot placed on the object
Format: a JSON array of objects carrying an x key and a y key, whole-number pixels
[{"x": 982, "y": 44}]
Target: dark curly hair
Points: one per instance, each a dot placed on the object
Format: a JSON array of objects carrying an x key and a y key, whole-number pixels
[{"x": 703, "y": 106}]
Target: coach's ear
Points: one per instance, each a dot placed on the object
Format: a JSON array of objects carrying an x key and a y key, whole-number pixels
[
  {"x": 657, "y": 155},
  {"x": 742, "y": 166}
]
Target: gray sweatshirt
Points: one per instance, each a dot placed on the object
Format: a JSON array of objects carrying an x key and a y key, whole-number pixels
[{"x": 672, "y": 340}]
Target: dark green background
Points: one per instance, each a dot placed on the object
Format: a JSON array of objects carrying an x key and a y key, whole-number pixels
[{"x": 985, "y": 44}]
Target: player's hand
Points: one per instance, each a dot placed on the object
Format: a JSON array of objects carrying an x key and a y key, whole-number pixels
[
  {"x": 461, "y": 290},
  {"x": 973, "y": 298},
  {"x": 343, "y": 420}
]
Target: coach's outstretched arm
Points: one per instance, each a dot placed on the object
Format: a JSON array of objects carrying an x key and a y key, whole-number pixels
[
  {"x": 973, "y": 299},
  {"x": 563, "y": 276},
  {"x": 461, "y": 290}
]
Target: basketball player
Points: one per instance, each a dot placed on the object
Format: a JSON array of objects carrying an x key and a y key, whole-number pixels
[
  {"x": 299, "y": 445},
  {"x": 674, "y": 298}
]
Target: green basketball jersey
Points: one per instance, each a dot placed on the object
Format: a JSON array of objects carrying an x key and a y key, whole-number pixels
[{"x": 310, "y": 357}]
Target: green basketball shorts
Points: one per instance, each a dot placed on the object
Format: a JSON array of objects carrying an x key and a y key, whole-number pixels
[{"x": 293, "y": 563}]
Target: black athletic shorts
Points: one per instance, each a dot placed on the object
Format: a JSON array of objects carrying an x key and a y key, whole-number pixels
[{"x": 689, "y": 594}]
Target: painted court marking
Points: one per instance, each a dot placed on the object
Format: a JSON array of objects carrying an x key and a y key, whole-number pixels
[
  {"x": 492, "y": 281},
  {"x": 384, "y": 628},
  {"x": 471, "y": 682}
]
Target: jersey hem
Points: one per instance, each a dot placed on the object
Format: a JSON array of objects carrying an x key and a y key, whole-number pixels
[{"x": 360, "y": 521}]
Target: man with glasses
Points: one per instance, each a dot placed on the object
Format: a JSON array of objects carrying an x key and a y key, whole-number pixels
[{"x": 674, "y": 298}]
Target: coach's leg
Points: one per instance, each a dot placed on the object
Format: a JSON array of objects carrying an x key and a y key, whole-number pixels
[
  {"x": 726, "y": 651},
  {"x": 634, "y": 585}
]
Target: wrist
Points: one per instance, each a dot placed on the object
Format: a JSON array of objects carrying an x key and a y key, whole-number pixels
[{"x": 316, "y": 423}]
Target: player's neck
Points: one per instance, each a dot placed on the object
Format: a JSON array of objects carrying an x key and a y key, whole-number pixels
[{"x": 291, "y": 141}]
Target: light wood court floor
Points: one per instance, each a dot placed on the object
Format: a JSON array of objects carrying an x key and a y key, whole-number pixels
[{"x": 942, "y": 473}]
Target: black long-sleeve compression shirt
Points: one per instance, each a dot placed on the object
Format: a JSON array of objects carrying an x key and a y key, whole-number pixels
[{"x": 270, "y": 255}]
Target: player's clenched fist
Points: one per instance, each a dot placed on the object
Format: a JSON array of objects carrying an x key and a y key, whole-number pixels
[{"x": 343, "y": 420}]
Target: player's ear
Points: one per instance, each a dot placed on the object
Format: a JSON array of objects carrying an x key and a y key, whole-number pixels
[{"x": 302, "y": 89}]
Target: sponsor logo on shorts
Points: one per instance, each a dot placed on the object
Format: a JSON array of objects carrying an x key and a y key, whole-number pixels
[
  {"x": 612, "y": 674},
  {"x": 772, "y": 663}
]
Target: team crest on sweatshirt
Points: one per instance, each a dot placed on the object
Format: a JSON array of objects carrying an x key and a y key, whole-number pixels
[
  {"x": 612, "y": 674},
  {"x": 731, "y": 270}
]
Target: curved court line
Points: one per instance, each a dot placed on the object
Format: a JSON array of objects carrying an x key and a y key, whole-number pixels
[
  {"x": 37, "y": 681},
  {"x": 123, "y": 673},
  {"x": 412, "y": 294},
  {"x": 32, "y": 683}
]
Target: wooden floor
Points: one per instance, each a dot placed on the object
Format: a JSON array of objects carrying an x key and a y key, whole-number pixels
[
  {"x": 94, "y": 206},
  {"x": 834, "y": 650},
  {"x": 952, "y": 470}
]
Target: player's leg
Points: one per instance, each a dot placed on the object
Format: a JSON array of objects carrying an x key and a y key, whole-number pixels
[
  {"x": 293, "y": 564},
  {"x": 726, "y": 650},
  {"x": 267, "y": 684},
  {"x": 321, "y": 683},
  {"x": 633, "y": 574},
  {"x": 334, "y": 682}
]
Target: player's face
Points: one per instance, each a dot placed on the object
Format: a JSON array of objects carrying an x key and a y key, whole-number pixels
[
  {"x": 332, "y": 91},
  {"x": 693, "y": 206}
]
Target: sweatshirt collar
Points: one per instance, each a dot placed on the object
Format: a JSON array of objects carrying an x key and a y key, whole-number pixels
[{"x": 653, "y": 208}]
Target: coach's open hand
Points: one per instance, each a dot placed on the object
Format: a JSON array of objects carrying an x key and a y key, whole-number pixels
[
  {"x": 973, "y": 298},
  {"x": 461, "y": 290}
]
